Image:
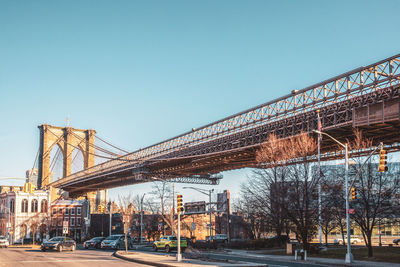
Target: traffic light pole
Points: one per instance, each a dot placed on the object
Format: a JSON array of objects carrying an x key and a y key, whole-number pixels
[{"x": 179, "y": 255}]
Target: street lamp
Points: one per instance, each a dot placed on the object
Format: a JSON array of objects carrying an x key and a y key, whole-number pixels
[
  {"x": 349, "y": 256},
  {"x": 204, "y": 191},
  {"x": 141, "y": 218}
]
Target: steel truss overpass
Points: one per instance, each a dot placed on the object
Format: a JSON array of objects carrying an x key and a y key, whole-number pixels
[{"x": 367, "y": 98}]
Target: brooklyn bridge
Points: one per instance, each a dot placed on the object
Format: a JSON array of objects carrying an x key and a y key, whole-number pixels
[{"x": 366, "y": 98}]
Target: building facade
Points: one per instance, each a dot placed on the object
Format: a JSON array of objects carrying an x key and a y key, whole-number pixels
[
  {"x": 73, "y": 214},
  {"x": 24, "y": 213}
]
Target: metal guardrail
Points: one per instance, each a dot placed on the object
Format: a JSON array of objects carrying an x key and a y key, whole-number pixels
[{"x": 346, "y": 86}]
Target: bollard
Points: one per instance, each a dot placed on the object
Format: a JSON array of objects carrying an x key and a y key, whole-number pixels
[
  {"x": 295, "y": 255},
  {"x": 305, "y": 255}
]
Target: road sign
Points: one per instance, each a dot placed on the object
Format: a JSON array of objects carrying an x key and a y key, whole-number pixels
[
  {"x": 125, "y": 218},
  {"x": 159, "y": 226},
  {"x": 351, "y": 211},
  {"x": 65, "y": 230},
  {"x": 65, "y": 224}
]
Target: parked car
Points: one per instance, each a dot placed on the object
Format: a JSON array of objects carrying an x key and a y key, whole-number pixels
[
  {"x": 4, "y": 242},
  {"x": 136, "y": 239},
  {"x": 396, "y": 241},
  {"x": 58, "y": 243},
  {"x": 218, "y": 238},
  {"x": 116, "y": 242},
  {"x": 169, "y": 242},
  {"x": 93, "y": 243},
  {"x": 353, "y": 240},
  {"x": 27, "y": 241}
]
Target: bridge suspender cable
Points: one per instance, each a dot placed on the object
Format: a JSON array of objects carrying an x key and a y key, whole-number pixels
[{"x": 111, "y": 145}]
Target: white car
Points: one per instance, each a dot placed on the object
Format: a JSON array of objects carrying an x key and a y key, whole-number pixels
[
  {"x": 4, "y": 242},
  {"x": 353, "y": 240}
]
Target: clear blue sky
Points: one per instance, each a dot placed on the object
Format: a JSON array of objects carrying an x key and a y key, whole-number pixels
[{"x": 140, "y": 72}]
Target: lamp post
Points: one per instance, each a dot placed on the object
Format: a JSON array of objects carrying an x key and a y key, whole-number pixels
[
  {"x": 141, "y": 218},
  {"x": 349, "y": 256},
  {"x": 203, "y": 191}
]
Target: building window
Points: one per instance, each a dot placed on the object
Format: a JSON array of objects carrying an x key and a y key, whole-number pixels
[
  {"x": 12, "y": 205},
  {"x": 43, "y": 206},
  {"x": 24, "y": 205},
  {"x": 78, "y": 221},
  {"x": 72, "y": 221},
  {"x": 72, "y": 211},
  {"x": 60, "y": 211},
  {"x": 66, "y": 211},
  {"x": 54, "y": 211},
  {"x": 34, "y": 205},
  {"x": 59, "y": 222},
  {"x": 66, "y": 219},
  {"x": 78, "y": 211}
]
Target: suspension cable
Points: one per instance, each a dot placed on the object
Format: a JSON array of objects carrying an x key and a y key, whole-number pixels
[{"x": 111, "y": 144}]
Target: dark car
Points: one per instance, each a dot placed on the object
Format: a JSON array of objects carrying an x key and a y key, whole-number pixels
[
  {"x": 396, "y": 241},
  {"x": 58, "y": 243},
  {"x": 26, "y": 241},
  {"x": 93, "y": 243}
]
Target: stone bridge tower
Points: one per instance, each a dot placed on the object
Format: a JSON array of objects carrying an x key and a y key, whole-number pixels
[{"x": 67, "y": 139}]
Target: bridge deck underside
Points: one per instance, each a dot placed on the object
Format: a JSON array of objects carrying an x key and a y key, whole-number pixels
[{"x": 376, "y": 114}]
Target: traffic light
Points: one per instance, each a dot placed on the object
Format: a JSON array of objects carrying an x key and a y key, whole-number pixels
[
  {"x": 179, "y": 206},
  {"x": 100, "y": 208},
  {"x": 382, "y": 161},
  {"x": 353, "y": 193}
]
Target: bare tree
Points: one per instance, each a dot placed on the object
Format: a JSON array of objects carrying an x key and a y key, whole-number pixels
[
  {"x": 375, "y": 192},
  {"x": 162, "y": 193},
  {"x": 299, "y": 202}
]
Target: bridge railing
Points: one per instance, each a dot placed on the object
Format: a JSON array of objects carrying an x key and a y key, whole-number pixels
[{"x": 351, "y": 84}]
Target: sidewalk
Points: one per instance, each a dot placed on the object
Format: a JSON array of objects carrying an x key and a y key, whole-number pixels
[
  {"x": 312, "y": 260},
  {"x": 161, "y": 260}
]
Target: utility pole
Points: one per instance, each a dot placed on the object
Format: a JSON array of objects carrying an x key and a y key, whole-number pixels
[
  {"x": 173, "y": 209},
  {"x": 319, "y": 180},
  {"x": 349, "y": 256},
  {"x": 228, "y": 212},
  {"x": 110, "y": 210},
  {"x": 141, "y": 218},
  {"x": 179, "y": 206}
]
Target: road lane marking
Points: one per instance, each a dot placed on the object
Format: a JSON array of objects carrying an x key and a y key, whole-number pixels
[{"x": 58, "y": 260}]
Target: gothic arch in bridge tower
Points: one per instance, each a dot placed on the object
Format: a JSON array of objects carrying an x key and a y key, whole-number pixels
[{"x": 68, "y": 139}]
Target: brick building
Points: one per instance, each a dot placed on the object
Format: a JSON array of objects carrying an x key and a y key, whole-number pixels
[{"x": 75, "y": 213}]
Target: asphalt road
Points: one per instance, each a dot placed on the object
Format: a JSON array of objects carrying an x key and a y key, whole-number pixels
[{"x": 78, "y": 258}]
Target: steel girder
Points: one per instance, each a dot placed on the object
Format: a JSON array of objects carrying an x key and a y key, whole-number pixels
[{"x": 336, "y": 98}]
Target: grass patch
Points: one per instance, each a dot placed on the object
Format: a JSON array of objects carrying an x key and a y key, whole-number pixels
[
  {"x": 381, "y": 254},
  {"x": 385, "y": 254}
]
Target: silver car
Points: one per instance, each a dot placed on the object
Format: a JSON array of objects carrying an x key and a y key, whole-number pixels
[{"x": 4, "y": 242}]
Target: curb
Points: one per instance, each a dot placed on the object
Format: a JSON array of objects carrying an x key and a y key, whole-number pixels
[{"x": 115, "y": 254}]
